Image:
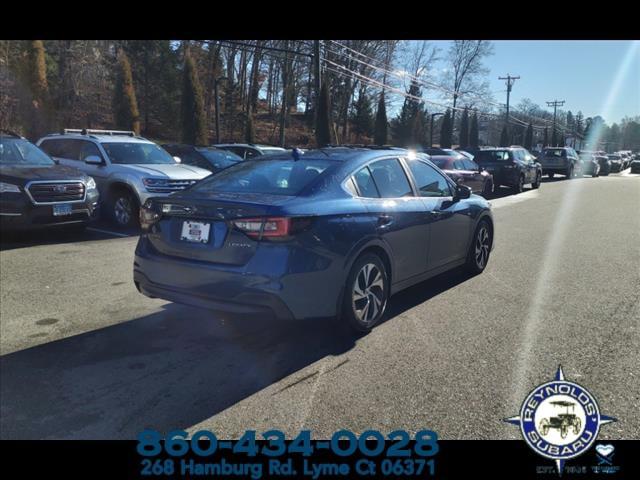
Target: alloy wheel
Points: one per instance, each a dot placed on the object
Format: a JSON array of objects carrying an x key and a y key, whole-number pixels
[
  {"x": 368, "y": 294},
  {"x": 482, "y": 247},
  {"x": 123, "y": 210}
]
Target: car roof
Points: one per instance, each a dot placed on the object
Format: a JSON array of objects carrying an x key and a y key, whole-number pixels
[
  {"x": 337, "y": 154},
  {"x": 250, "y": 145}
]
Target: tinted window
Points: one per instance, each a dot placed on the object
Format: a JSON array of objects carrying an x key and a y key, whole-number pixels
[
  {"x": 250, "y": 153},
  {"x": 459, "y": 165},
  {"x": 18, "y": 152},
  {"x": 219, "y": 159},
  {"x": 62, "y": 148},
  {"x": 555, "y": 152},
  {"x": 440, "y": 162},
  {"x": 390, "y": 178},
  {"x": 137, "y": 153},
  {"x": 471, "y": 165},
  {"x": 430, "y": 183},
  {"x": 277, "y": 177},
  {"x": 351, "y": 187},
  {"x": 88, "y": 148},
  {"x": 492, "y": 156},
  {"x": 365, "y": 183}
]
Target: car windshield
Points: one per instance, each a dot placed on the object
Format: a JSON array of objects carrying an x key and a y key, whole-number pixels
[
  {"x": 136, "y": 153},
  {"x": 275, "y": 177},
  {"x": 220, "y": 158},
  {"x": 22, "y": 153},
  {"x": 491, "y": 156}
]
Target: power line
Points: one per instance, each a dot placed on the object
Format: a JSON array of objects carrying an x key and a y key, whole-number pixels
[{"x": 509, "y": 81}]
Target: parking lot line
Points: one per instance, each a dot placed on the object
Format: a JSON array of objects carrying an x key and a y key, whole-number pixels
[{"x": 109, "y": 232}]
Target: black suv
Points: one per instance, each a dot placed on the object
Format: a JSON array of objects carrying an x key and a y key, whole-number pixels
[
  {"x": 510, "y": 166},
  {"x": 560, "y": 160},
  {"x": 37, "y": 192},
  {"x": 210, "y": 158}
]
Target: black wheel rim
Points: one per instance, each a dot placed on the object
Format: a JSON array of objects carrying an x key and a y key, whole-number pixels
[{"x": 482, "y": 247}]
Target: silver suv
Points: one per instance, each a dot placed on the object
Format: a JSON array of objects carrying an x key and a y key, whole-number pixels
[{"x": 127, "y": 168}]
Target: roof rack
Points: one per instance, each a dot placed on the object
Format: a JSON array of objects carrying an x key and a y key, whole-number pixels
[
  {"x": 89, "y": 131},
  {"x": 359, "y": 145},
  {"x": 10, "y": 132}
]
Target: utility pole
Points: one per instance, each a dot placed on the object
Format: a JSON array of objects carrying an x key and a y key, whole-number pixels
[
  {"x": 555, "y": 104},
  {"x": 509, "y": 82},
  {"x": 217, "y": 101},
  {"x": 316, "y": 63}
]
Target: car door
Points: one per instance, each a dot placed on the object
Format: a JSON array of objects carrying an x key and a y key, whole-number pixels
[
  {"x": 399, "y": 216},
  {"x": 449, "y": 222},
  {"x": 470, "y": 173}
]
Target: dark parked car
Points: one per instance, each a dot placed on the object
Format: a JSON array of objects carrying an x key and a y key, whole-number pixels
[
  {"x": 210, "y": 158},
  {"x": 589, "y": 164},
  {"x": 511, "y": 167},
  {"x": 333, "y": 232},
  {"x": 37, "y": 192},
  {"x": 605, "y": 164},
  {"x": 249, "y": 150},
  {"x": 617, "y": 163},
  {"x": 560, "y": 160},
  {"x": 635, "y": 166},
  {"x": 466, "y": 172}
]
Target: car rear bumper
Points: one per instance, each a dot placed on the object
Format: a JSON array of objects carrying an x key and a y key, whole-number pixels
[{"x": 283, "y": 291}]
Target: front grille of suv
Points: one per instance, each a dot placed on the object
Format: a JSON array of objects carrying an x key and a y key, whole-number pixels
[
  {"x": 171, "y": 186},
  {"x": 54, "y": 192}
]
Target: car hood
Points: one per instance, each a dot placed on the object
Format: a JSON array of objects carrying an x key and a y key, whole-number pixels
[
  {"x": 22, "y": 175},
  {"x": 173, "y": 171}
]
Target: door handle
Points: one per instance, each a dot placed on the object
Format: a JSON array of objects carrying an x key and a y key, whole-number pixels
[{"x": 384, "y": 220}]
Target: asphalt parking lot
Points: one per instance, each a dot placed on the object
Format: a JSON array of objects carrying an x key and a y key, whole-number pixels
[{"x": 84, "y": 355}]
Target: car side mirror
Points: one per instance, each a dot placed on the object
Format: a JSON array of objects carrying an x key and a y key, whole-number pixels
[
  {"x": 177, "y": 159},
  {"x": 93, "y": 160},
  {"x": 462, "y": 192}
]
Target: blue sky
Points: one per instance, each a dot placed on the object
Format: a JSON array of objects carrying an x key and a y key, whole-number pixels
[{"x": 583, "y": 73}]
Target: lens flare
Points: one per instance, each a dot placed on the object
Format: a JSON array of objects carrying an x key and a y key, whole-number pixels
[{"x": 556, "y": 245}]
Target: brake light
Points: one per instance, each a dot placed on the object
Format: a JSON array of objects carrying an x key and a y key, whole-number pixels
[{"x": 264, "y": 227}]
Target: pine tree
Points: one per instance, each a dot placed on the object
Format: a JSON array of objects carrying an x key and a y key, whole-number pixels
[
  {"x": 194, "y": 124},
  {"x": 125, "y": 106},
  {"x": 464, "y": 129},
  {"x": 446, "y": 130},
  {"x": 504, "y": 137},
  {"x": 545, "y": 141},
  {"x": 528, "y": 139},
  {"x": 363, "y": 117},
  {"x": 323, "y": 127},
  {"x": 474, "y": 140},
  {"x": 554, "y": 138},
  {"x": 381, "y": 129},
  {"x": 404, "y": 125},
  {"x": 249, "y": 132}
]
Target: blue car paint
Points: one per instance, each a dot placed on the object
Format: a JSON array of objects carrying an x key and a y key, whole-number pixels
[{"x": 305, "y": 276}]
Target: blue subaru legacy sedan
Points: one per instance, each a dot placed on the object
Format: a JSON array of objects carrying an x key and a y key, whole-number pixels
[{"x": 332, "y": 232}]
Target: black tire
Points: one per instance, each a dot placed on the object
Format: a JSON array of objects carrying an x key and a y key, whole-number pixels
[
  {"x": 363, "y": 291},
  {"x": 550, "y": 174},
  {"x": 519, "y": 187},
  {"x": 488, "y": 189},
  {"x": 123, "y": 208},
  {"x": 536, "y": 184},
  {"x": 480, "y": 246}
]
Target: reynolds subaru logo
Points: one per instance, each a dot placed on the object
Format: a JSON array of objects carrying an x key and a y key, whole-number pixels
[
  {"x": 560, "y": 420},
  {"x": 59, "y": 188}
]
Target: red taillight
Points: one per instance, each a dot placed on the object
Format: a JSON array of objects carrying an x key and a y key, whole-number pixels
[{"x": 264, "y": 227}]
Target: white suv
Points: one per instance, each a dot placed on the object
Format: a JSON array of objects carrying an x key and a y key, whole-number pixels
[{"x": 127, "y": 168}]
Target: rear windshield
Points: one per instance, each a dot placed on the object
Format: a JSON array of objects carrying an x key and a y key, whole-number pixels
[
  {"x": 274, "y": 177},
  {"x": 555, "y": 152},
  {"x": 491, "y": 156},
  {"x": 440, "y": 162},
  {"x": 220, "y": 158}
]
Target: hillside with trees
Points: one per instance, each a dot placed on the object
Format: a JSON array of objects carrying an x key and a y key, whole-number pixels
[{"x": 371, "y": 91}]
